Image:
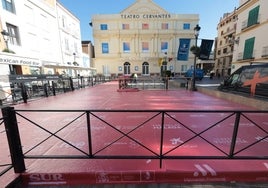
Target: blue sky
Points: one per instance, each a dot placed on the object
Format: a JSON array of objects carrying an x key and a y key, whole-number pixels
[{"x": 210, "y": 12}]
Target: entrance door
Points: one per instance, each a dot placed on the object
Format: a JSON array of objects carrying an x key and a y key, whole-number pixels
[
  {"x": 145, "y": 68},
  {"x": 126, "y": 68}
]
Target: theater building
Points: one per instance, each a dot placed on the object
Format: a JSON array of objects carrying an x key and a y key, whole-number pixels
[{"x": 143, "y": 39}]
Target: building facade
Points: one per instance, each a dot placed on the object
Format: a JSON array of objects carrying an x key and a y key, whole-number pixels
[
  {"x": 74, "y": 62},
  {"x": 224, "y": 45},
  {"x": 44, "y": 37},
  {"x": 32, "y": 36},
  {"x": 88, "y": 54},
  {"x": 143, "y": 39},
  {"x": 251, "y": 34},
  {"x": 39, "y": 37}
]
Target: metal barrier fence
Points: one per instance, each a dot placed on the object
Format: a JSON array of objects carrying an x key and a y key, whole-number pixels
[
  {"x": 185, "y": 126},
  {"x": 156, "y": 82},
  {"x": 26, "y": 87},
  {"x": 4, "y": 166}
]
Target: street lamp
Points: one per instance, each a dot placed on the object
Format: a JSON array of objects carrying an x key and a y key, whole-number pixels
[
  {"x": 6, "y": 37},
  {"x": 196, "y": 34}
]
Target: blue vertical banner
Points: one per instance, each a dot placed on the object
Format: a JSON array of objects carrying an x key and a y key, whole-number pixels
[
  {"x": 183, "y": 51},
  {"x": 205, "y": 49}
]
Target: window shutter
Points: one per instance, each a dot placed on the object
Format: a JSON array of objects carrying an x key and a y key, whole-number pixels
[
  {"x": 248, "y": 49},
  {"x": 253, "y": 16}
]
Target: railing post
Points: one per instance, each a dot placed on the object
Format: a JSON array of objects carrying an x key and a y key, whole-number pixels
[
  {"x": 46, "y": 89},
  {"x": 235, "y": 132},
  {"x": 23, "y": 92},
  {"x": 162, "y": 138},
  {"x": 53, "y": 88},
  {"x": 89, "y": 134},
  {"x": 71, "y": 84},
  {"x": 13, "y": 137},
  {"x": 166, "y": 80},
  {"x": 63, "y": 86}
]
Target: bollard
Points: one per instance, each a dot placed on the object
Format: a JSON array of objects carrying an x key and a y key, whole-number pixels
[{"x": 13, "y": 137}]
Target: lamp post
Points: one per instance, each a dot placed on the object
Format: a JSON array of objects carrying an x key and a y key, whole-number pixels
[
  {"x": 196, "y": 34},
  {"x": 5, "y": 35}
]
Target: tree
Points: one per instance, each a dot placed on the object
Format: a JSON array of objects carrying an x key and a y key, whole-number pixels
[{"x": 195, "y": 50}]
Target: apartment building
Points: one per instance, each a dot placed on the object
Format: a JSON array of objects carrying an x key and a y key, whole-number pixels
[
  {"x": 39, "y": 37},
  {"x": 251, "y": 34},
  {"x": 32, "y": 38},
  {"x": 143, "y": 39},
  {"x": 44, "y": 37},
  {"x": 224, "y": 43},
  {"x": 74, "y": 62}
]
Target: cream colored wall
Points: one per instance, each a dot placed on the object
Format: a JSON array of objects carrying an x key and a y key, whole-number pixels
[
  {"x": 226, "y": 28},
  {"x": 258, "y": 31},
  {"x": 115, "y": 37}
]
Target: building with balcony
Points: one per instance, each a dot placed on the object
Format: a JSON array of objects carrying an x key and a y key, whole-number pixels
[
  {"x": 39, "y": 37},
  {"x": 143, "y": 39},
  {"x": 251, "y": 34},
  {"x": 224, "y": 43},
  {"x": 74, "y": 62},
  {"x": 44, "y": 37},
  {"x": 31, "y": 36}
]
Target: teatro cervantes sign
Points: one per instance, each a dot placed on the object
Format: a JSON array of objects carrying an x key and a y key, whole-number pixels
[{"x": 145, "y": 16}]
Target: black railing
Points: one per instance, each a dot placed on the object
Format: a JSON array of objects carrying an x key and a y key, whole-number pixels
[
  {"x": 145, "y": 83},
  {"x": 27, "y": 87},
  {"x": 5, "y": 166},
  {"x": 187, "y": 127}
]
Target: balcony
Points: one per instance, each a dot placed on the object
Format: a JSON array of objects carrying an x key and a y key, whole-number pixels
[
  {"x": 245, "y": 26},
  {"x": 242, "y": 57},
  {"x": 265, "y": 52}
]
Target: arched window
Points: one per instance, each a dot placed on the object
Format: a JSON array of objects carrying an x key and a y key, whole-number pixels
[
  {"x": 126, "y": 68},
  {"x": 145, "y": 68}
]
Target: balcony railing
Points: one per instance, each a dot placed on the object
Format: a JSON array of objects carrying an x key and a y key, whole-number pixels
[{"x": 265, "y": 51}]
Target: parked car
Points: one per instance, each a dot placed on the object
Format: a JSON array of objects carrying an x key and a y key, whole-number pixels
[
  {"x": 252, "y": 79},
  {"x": 199, "y": 73}
]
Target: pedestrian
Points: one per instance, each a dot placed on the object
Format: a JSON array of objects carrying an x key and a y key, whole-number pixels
[{"x": 211, "y": 75}]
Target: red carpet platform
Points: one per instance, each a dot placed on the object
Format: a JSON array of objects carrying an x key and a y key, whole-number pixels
[{"x": 141, "y": 133}]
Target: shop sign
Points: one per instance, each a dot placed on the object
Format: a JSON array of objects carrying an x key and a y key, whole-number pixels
[{"x": 18, "y": 60}]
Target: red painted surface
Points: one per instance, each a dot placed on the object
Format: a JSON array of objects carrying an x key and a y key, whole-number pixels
[{"x": 106, "y": 96}]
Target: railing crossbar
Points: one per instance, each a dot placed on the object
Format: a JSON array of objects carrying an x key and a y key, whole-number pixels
[
  {"x": 199, "y": 134},
  {"x": 125, "y": 134},
  {"x": 53, "y": 134},
  {"x": 254, "y": 143}
]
